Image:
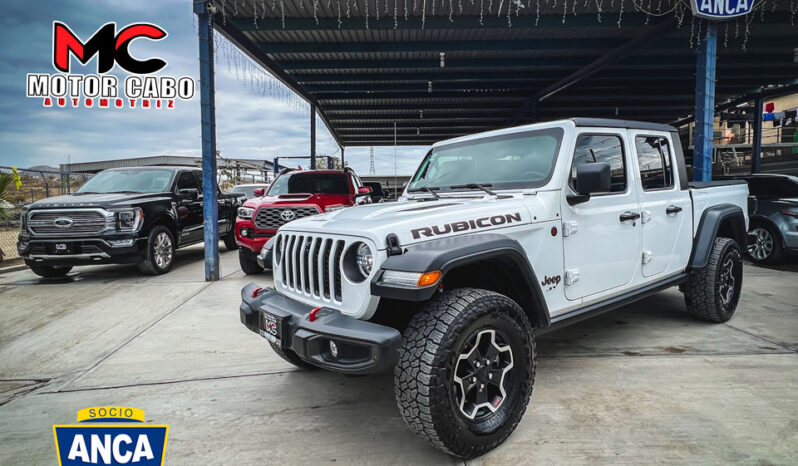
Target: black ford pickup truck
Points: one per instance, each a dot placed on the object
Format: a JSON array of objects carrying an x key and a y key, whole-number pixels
[{"x": 121, "y": 216}]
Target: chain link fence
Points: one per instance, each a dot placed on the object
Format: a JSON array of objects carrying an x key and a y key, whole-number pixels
[{"x": 34, "y": 185}]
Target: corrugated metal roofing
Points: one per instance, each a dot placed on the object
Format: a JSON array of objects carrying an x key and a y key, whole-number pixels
[{"x": 363, "y": 79}]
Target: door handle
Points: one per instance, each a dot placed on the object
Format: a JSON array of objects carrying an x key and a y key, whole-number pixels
[
  {"x": 674, "y": 209},
  {"x": 626, "y": 216}
]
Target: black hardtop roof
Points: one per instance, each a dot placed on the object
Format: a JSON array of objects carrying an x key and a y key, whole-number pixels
[{"x": 628, "y": 124}]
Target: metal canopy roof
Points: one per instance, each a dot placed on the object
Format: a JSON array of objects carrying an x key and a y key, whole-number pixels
[{"x": 545, "y": 61}]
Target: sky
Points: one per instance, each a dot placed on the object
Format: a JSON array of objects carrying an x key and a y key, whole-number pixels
[{"x": 249, "y": 124}]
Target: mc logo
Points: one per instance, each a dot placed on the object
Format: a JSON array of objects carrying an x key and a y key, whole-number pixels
[
  {"x": 104, "y": 436},
  {"x": 108, "y": 45}
]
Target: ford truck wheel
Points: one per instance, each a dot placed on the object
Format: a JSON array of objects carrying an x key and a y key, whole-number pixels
[
  {"x": 47, "y": 271},
  {"x": 160, "y": 253},
  {"x": 712, "y": 293},
  {"x": 466, "y": 370}
]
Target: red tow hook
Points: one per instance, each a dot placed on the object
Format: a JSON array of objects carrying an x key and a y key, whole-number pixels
[
  {"x": 255, "y": 292},
  {"x": 312, "y": 316}
]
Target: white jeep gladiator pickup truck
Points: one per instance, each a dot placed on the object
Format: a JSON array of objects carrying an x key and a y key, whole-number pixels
[{"x": 498, "y": 236}]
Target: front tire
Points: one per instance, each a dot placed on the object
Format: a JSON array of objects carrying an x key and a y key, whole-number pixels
[
  {"x": 248, "y": 264},
  {"x": 712, "y": 293},
  {"x": 160, "y": 253},
  {"x": 291, "y": 357},
  {"x": 230, "y": 241},
  {"x": 766, "y": 248},
  {"x": 445, "y": 392},
  {"x": 48, "y": 271}
]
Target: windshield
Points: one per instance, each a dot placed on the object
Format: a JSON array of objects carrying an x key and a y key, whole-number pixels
[
  {"x": 248, "y": 191},
  {"x": 313, "y": 183},
  {"x": 510, "y": 161},
  {"x": 138, "y": 181}
]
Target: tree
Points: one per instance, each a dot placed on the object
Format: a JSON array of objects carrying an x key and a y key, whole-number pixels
[{"x": 6, "y": 207}]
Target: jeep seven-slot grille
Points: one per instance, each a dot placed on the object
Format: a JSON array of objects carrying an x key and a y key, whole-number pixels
[
  {"x": 310, "y": 264},
  {"x": 74, "y": 222},
  {"x": 272, "y": 218}
]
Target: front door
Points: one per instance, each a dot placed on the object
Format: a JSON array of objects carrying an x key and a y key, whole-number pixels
[
  {"x": 665, "y": 208},
  {"x": 602, "y": 246},
  {"x": 189, "y": 210}
]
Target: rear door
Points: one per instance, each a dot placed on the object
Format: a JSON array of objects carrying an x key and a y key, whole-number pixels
[
  {"x": 664, "y": 207},
  {"x": 601, "y": 237}
]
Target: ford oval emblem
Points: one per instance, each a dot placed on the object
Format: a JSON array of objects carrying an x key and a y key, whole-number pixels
[
  {"x": 63, "y": 222},
  {"x": 288, "y": 215}
]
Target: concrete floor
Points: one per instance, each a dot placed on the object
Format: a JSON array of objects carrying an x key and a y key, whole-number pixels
[{"x": 644, "y": 384}]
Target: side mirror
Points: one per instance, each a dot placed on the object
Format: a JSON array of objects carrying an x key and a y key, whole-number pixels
[
  {"x": 363, "y": 191},
  {"x": 259, "y": 192},
  {"x": 591, "y": 178},
  {"x": 190, "y": 193}
]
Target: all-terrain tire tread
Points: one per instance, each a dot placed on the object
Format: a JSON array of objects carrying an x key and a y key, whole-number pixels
[
  {"x": 421, "y": 367},
  {"x": 700, "y": 290}
]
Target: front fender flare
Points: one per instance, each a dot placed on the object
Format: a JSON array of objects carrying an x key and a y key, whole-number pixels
[{"x": 447, "y": 254}]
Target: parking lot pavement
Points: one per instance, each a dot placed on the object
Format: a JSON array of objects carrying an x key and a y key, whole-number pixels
[{"x": 643, "y": 384}]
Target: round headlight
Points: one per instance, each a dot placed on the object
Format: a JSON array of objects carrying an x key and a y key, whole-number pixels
[{"x": 364, "y": 259}]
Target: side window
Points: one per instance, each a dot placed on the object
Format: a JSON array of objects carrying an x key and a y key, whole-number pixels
[
  {"x": 186, "y": 181},
  {"x": 654, "y": 160},
  {"x": 592, "y": 148},
  {"x": 198, "y": 177}
]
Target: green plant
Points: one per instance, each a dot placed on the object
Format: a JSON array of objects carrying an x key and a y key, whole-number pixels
[{"x": 6, "y": 206}]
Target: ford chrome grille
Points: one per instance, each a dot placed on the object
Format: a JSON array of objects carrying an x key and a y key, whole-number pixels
[
  {"x": 70, "y": 222},
  {"x": 272, "y": 218}
]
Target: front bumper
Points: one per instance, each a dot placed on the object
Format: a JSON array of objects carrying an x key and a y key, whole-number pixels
[
  {"x": 255, "y": 238},
  {"x": 363, "y": 347},
  {"x": 82, "y": 251}
]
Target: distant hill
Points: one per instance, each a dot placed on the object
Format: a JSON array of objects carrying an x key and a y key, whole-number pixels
[{"x": 43, "y": 167}]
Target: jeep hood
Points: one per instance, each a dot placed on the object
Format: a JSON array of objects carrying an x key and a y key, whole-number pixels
[{"x": 417, "y": 221}]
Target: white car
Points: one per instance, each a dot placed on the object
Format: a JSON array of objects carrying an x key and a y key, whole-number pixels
[{"x": 498, "y": 235}]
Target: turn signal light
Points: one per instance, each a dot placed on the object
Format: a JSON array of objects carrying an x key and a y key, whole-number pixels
[{"x": 429, "y": 278}]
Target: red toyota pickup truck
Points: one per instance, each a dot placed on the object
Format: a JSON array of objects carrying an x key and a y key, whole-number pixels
[{"x": 292, "y": 195}]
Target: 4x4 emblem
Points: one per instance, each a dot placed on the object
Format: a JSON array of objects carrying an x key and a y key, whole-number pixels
[
  {"x": 288, "y": 215},
  {"x": 63, "y": 222}
]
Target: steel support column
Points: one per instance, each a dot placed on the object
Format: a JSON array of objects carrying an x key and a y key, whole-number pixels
[
  {"x": 705, "y": 104},
  {"x": 756, "y": 143},
  {"x": 210, "y": 207},
  {"x": 312, "y": 136},
  {"x": 343, "y": 162}
]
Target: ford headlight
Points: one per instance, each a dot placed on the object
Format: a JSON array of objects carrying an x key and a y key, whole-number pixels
[
  {"x": 364, "y": 259},
  {"x": 245, "y": 213},
  {"x": 129, "y": 219}
]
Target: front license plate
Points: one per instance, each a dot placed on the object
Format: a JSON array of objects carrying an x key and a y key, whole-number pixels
[
  {"x": 61, "y": 248},
  {"x": 272, "y": 328}
]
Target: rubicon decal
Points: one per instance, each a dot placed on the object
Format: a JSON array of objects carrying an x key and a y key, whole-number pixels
[
  {"x": 107, "y": 47},
  {"x": 110, "y": 435},
  {"x": 465, "y": 225}
]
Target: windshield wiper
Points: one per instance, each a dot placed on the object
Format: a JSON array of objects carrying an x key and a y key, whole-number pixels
[
  {"x": 483, "y": 187},
  {"x": 426, "y": 189}
]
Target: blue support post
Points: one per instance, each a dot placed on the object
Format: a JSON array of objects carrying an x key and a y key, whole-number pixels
[
  {"x": 756, "y": 143},
  {"x": 312, "y": 136},
  {"x": 276, "y": 166},
  {"x": 705, "y": 104},
  {"x": 210, "y": 206}
]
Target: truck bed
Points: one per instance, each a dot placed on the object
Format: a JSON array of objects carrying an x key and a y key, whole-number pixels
[{"x": 710, "y": 193}]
